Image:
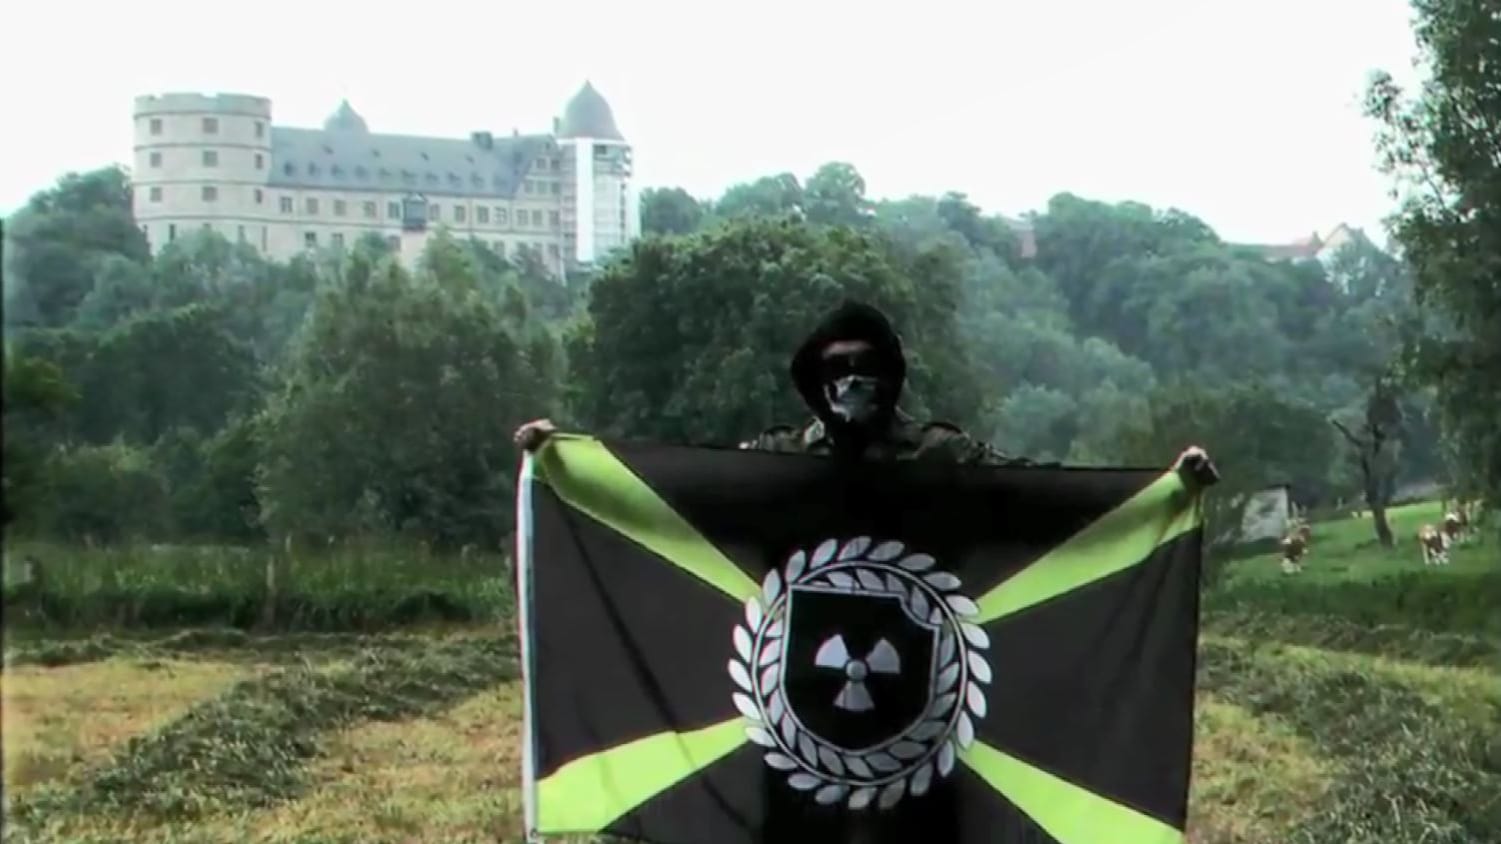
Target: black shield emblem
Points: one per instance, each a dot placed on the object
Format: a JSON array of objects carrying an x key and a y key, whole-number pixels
[{"x": 857, "y": 669}]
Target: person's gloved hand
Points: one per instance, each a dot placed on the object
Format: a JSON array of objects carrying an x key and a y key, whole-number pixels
[
  {"x": 533, "y": 434},
  {"x": 1195, "y": 467}
]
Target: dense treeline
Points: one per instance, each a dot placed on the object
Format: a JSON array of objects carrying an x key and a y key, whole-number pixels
[{"x": 211, "y": 395}]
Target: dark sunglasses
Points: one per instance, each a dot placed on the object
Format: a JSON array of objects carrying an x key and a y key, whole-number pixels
[{"x": 857, "y": 363}]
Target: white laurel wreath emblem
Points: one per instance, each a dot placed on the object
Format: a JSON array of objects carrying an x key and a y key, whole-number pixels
[{"x": 907, "y": 763}]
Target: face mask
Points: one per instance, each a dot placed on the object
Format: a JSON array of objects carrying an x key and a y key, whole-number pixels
[{"x": 853, "y": 397}]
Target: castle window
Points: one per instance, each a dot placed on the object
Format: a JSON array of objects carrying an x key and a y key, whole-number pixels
[
  {"x": 156, "y": 125},
  {"x": 310, "y": 240},
  {"x": 537, "y": 218},
  {"x": 171, "y": 231},
  {"x": 260, "y": 196},
  {"x": 369, "y": 209},
  {"x": 434, "y": 212},
  {"x": 453, "y": 179},
  {"x": 260, "y": 129},
  {"x": 210, "y": 125},
  {"x": 286, "y": 205},
  {"x": 156, "y": 159},
  {"x": 312, "y": 169},
  {"x": 210, "y": 193},
  {"x": 502, "y": 217},
  {"x": 482, "y": 214},
  {"x": 311, "y": 205},
  {"x": 289, "y": 169},
  {"x": 210, "y": 158},
  {"x": 458, "y": 214},
  {"x": 552, "y": 219},
  {"x": 393, "y": 210},
  {"x": 260, "y": 161},
  {"x": 556, "y": 188},
  {"x": 340, "y": 207},
  {"x": 156, "y": 194},
  {"x": 338, "y": 240}
]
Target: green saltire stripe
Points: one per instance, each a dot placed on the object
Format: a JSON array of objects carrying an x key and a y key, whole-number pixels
[
  {"x": 593, "y": 481},
  {"x": 1121, "y": 538},
  {"x": 588, "y": 794},
  {"x": 1070, "y": 814}
]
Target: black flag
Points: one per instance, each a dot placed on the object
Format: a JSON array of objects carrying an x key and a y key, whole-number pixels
[{"x": 726, "y": 646}]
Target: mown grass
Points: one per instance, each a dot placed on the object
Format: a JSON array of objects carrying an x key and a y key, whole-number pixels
[
  {"x": 1254, "y": 778},
  {"x": 348, "y": 589},
  {"x": 1335, "y": 633},
  {"x": 250, "y": 746},
  {"x": 1294, "y": 744},
  {"x": 1304, "y": 734},
  {"x": 1417, "y": 748},
  {"x": 59, "y": 719}
]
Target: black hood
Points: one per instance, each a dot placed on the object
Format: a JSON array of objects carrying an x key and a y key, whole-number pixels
[{"x": 850, "y": 321}]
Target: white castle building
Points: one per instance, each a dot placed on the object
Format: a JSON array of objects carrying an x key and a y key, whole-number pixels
[{"x": 218, "y": 162}]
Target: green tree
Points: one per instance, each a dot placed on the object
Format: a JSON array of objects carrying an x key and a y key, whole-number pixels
[
  {"x": 769, "y": 196},
  {"x": 1440, "y": 147},
  {"x": 670, "y": 211},
  {"x": 395, "y": 415},
  {"x": 1258, "y": 435},
  {"x": 689, "y": 340},
  {"x": 1377, "y": 441},
  {"x": 36, "y": 395},
  {"x": 835, "y": 195},
  {"x": 56, "y": 243}
]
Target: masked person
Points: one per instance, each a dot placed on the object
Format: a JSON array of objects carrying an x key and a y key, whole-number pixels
[{"x": 850, "y": 372}]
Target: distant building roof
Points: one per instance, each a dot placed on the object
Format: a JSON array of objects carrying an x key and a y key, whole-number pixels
[
  {"x": 589, "y": 116},
  {"x": 343, "y": 156},
  {"x": 1307, "y": 248},
  {"x": 345, "y": 119}
]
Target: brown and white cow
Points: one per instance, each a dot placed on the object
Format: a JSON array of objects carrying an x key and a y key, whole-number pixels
[
  {"x": 1435, "y": 545},
  {"x": 1294, "y": 546}
]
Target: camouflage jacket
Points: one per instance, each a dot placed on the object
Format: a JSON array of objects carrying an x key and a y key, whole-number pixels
[{"x": 907, "y": 439}]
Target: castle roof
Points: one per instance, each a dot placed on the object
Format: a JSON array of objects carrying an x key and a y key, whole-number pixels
[
  {"x": 345, "y": 119},
  {"x": 587, "y": 115},
  {"x": 345, "y": 158}
]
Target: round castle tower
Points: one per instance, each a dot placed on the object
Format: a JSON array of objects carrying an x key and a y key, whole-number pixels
[
  {"x": 202, "y": 161},
  {"x": 602, "y": 212}
]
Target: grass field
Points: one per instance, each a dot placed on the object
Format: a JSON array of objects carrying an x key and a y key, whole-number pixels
[{"x": 1312, "y": 728}]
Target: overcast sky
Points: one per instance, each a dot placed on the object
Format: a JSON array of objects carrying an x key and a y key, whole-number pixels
[{"x": 1245, "y": 113}]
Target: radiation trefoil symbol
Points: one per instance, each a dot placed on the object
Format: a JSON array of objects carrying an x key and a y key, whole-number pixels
[
  {"x": 815, "y": 695},
  {"x": 855, "y": 696}
]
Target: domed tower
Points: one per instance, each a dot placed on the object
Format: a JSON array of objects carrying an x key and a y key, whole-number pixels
[
  {"x": 600, "y": 212},
  {"x": 202, "y": 161},
  {"x": 345, "y": 119}
]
